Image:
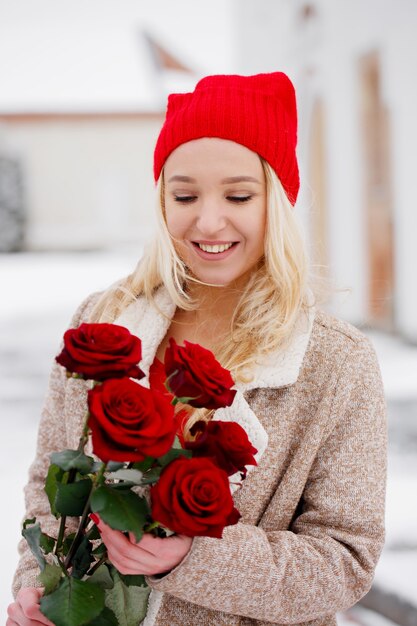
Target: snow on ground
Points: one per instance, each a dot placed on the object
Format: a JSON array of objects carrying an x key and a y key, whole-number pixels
[
  {"x": 362, "y": 617},
  {"x": 39, "y": 293},
  {"x": 402, "y": 565},
  {"x": 398, "y": 361},
  {"x": 38, "y": 283}
]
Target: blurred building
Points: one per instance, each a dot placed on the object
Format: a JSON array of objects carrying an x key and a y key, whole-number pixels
[
  {"x": 80, "y": 111},
  {"x": 354, "y": 64},
  {"x": 78, "y": 123}
]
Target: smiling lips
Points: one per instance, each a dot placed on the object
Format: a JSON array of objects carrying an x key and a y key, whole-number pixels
[{"x": 214, "y": 248}]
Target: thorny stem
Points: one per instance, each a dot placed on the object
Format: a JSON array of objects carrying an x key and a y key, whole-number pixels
[
  {"x": 84, "y": 434},
  {"x": 62, "y": 566},
  {"x": 84, "y": 517},
  {"x": 79, "y": 534},
  {"x": 71, "y": 477},
  {"x": 60, "y": 534},
  {"x": 97, "y": 565}
]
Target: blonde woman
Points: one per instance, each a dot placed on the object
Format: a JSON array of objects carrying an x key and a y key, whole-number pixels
[{"x": 228, "y": 270}]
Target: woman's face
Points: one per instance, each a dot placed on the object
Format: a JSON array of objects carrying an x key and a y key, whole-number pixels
[{"x": 215, "y": 203}]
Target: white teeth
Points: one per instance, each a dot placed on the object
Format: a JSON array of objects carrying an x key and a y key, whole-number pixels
[{"x": 217, "y": 248}]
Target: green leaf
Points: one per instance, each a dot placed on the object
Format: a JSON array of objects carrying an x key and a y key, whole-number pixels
[
  {"x": 100, "y": 550},
  {"x": 73, "y": 459},
  {"x": 133, "y": 580},
  {"x": 172, "y": 454},
  {"x": 129, "y": 604},
  {"x": 66, "y": 544},
  {"x": 152, "y": 476},
  {"x": 47, "y": 543},
  {"x": 122, "y": 486},
  {"x": 96, "y": 466},
  {"x": 132, "y": 475},
  {"x": 72, "y": 498},
  {"x": 32, "y": 534},
  {"x": 54, "y": 477},
  {"x": 144, "y": 465},
  {"x": 50, "y": 577},
  {"x": 82, "y": 559},
  {"x": 112, "y": 466},
  {"x": 106, "y": 618},
  {"x": 185, "y": 399},
  {"x": 122, "y": 510},
  {"x": 101, "y": 577},
  {"x": 74, "y": 603},
  {"x": 93, "y": 533}
]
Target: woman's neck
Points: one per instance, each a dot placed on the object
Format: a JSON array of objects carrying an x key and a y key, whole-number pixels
[{"x": 215, "y": 304}]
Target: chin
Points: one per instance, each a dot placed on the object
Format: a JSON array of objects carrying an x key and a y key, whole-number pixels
[{"x": 218, "y": 281}]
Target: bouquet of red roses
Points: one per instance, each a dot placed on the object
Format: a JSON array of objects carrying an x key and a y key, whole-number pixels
[{"x": 146, "y": 477}]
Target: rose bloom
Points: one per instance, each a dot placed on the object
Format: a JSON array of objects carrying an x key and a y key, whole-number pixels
[
  {"x": 129, "y": 422},
  {"x": 100, "y": 351},
  {"x": 227, "y": 443},
  {"x": 192, "y": 497},
  {"x": 194, "y": 372}
]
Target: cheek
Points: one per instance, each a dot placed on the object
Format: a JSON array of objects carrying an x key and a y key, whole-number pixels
[
  {"x": 256, "y": 229},
  {"x": 177, "y": 222}
]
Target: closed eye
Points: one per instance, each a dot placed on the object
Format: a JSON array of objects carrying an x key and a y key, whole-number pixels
[
  {"x": 239, "y": 198},
  {"x": 184, "y": 198},
  {"x": 187, "y": 199}
]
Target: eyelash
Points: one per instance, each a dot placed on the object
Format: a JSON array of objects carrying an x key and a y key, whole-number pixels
[{"x": 189, "y": 199}]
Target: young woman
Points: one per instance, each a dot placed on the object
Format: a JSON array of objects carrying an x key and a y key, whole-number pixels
[{"x": 228, "y": 270}]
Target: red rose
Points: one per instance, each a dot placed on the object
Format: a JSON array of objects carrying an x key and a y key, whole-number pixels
[
  {"x": 192, "y": 497},
  {"x": 226, "y": 443},
  {"x": 157, "y": 379},
  {"x": 195, "y": 373},
  {"x": 100, "y": 351},
  {"x": 129, "y": 422}
]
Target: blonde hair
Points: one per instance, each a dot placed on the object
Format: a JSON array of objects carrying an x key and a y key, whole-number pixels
[{"x": 269, "y": 305}]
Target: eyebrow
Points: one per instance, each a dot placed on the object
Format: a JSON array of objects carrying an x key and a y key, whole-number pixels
[{"x": 225, "y": 181}]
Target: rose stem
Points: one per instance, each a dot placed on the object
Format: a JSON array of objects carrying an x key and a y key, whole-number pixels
[
  {"x": 97, "y": 565},
  {"x": 71, "y": 476},
  {"x": 83, "y": 520}
]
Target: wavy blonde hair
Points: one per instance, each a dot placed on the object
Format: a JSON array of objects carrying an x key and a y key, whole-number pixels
[{"x": 268, "y": 307}]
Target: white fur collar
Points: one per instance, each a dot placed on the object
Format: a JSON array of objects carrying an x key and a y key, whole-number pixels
[{"x": 281, "y": 369}]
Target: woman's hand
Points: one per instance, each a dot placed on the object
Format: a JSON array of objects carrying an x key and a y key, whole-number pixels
[
  {"x": 151, "y": 555},
  {"x": 25, "y": 611}
]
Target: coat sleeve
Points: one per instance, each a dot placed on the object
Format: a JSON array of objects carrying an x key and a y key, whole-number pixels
[
  {"x": 325, "y": 562},
  {"x": 51, "y": 438}
]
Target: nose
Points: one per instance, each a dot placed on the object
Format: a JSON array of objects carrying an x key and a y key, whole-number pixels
[{"x": 211, "y": 218}]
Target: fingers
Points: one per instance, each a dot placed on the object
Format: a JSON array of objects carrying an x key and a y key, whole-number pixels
[
  {"x": 29, "y": 601},
  {"x": 25, "y": 611},
  {"x": 125, "y": 555},
  {"x": 151, "y": 555}
]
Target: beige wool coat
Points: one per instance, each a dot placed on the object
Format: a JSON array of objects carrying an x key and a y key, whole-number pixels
[{"x": 312, "y": 525}]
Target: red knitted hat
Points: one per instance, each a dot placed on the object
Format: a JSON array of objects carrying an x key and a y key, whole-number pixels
[{"x": 257, "y": 111}]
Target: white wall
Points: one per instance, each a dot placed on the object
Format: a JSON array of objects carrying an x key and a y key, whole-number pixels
[
  {"x": 321, "y": 55},
  {"x": 88, "y": 183}
]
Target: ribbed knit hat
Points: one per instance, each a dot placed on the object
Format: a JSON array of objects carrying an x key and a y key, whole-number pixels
[{"x": 257, "y": 111}]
